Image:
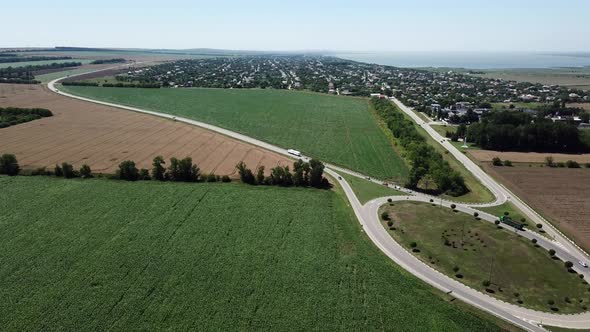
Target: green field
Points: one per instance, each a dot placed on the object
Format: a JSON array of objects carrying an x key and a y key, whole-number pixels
[
  {"x": 38, "y": 63},
  {"x": 89, "y": 255},
  {"x": 482, "y": 252},
  {"x": 336, "y": 129},
  {"x": 366, "y": 190}
]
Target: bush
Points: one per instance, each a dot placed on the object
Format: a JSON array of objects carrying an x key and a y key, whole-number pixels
[
  {"x": 572, "y": 164},
  {"x": 539, "y": 226},
  {"x": 225, "y": 178},
  {"x": 534, "y": 241},
  {"x": 9, "y": 164},
  {"x": 57, "y": 171},
  {"x": 587, "y": 165},
  {"x": 183, "y": 170},
  {"x": 497, "y": 222},
  {"x": 475, "y": 214},
  {"x": 67, "y": 170},
  {"x": 390, "y": 223},
  {"x": 127, "y": 171},
  {"x": 568, "y": 264},
  {"x": 413, "y": 244},
  {"x": 486, "y": 283},
  {"x": 552, "y": 252},
  {"x": 385, "y": 216},
  {"x": 453, "y": 206},
  {"x": 456, "y": 269},
  {"x": 211, "y": 178},
  {"x": 497, "y": 161},
  {"x": 389, "y": 200},
  {"x": 507, "y": 163},
  {"x": 40, "y": 171},
  {"x": 158, "y": 170},
  {"x": 85, "y": 172},
  {"x": 550, "y": 302},
  {"x": 144, "y": 175}
]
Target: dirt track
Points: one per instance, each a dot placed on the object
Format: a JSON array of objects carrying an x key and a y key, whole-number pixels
[
  {"x": 102, "y": 137},
  {"x": 560, "y": 194}
]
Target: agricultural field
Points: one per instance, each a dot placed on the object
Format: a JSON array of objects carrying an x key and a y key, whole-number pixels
[
  {"x": 526, "y": 157},
  {"x": 473, "y": 251},
  {"x": 39, "y": 63},
  {"x": 558, "y": 194},
  {"x": 366, "y": 190},
  {"x": 102, "y": 254},
  {"x": 336, "y": 129},
  {"x": 102, "y": 137},
  {"x": 578, "y": 78}
]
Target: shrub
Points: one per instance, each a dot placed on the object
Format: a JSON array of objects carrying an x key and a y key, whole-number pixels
[
  {"x": 39, "y": 171},
  {"x": 539, "y": 226},
  {"x": 486, "y": 283},
  {"x": 459, "y": 276},
  {"x": 183, "y": 170},
  {"x": 158, "y": 170},
  {"x": 211, "y": 178},
  {"x": 497, "y": 161},
  {"x": 85, "y": 172},
  {"x": 551, "y": 252},
  {"x": 413, "y": 244},
  {"x": 572, "y": 164},
  {"x": 9, "y": 164},
  {"x": 144, "y": 175},
  {"x": 57, "y": 171},
  {"x": 390, "y": 223},
  {"x": 389, "y": 200},
  {"x": 534, "y": 241},
  {"x": 568, "y": 264},
  {"x": 561, "y": 164},
  {"x": 225, "y": 178},
  {"x": 456, "y": 269},
  {"x": 516, "y": 294},
  {"x": 128, "y": 171},
  {"x": 587, "y": 165},
  {"x": 68, "y": 170},
  {"x": 385, "y": 216},
  {"x": 507, "y": 163},
  {"x": 453, "y": 206},
  {"x": 550, "y": 302},
  {"x": 497, "y": 222},
  {"x": 475, "y": 214},
  {"x": 549, "y": 161}
]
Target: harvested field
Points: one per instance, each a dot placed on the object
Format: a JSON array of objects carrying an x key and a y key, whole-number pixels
[
  {"x": 559, "y": 194},
  {"x": 102, "y": 137},
  {"x": 527, "y": 157}
]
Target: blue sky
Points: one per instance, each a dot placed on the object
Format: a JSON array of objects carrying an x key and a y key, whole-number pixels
[{"x": 370, "y": 25}]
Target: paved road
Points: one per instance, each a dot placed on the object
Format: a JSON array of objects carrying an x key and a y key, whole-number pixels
[{"x": 368, "y": 217}]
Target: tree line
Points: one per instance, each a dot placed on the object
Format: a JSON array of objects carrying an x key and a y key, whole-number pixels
[
  {"x": 113, "y": 85},
  {"x": 509, "y": 131},
  {"x": 428, "y": 166},
  {"x": 305, "y": 174},
  {"x": 105, "y": 61},
  {"x": 11, "y": 116},
  {"x": 5, "y": 59},
  {"x": 25, "y": 74}
]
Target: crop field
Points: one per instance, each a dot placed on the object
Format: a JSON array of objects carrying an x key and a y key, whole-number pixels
[
  {"x": 527, "y": 157},
  {"x": 559, "y": 194},
  {"x": 91, "y": 255},
  {"x": 473, "y": 251},
  {"x": 38, "y": 63},
  {"x": 102, "y": 137},
  {"x": 578, "y": 78},
  {"x": 335, "y": 129}
]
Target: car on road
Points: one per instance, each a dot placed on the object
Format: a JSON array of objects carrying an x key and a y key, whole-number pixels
[
  {"x": 294, "y": 152},
  {"x": 584, "y": 264}
]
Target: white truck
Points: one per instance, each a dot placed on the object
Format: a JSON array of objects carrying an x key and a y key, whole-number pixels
[{"x": 294, "y": 152}]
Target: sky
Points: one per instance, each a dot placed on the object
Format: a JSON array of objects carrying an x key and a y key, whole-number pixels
[{"x": 343, "y": 25}]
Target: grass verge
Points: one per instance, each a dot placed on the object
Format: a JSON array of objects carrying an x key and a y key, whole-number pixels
[
  {"x": 475, "y": 251},
  {"x": 366, "y": 190}
]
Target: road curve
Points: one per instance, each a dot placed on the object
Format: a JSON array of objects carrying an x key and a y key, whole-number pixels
[{"x": 369, "y": 219}]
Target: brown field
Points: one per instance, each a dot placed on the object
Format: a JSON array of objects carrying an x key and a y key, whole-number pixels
[
  {"x": 528, "y": 157},
  {"x": 100, "y": 136},
  {"x": 561, "y": 195}
]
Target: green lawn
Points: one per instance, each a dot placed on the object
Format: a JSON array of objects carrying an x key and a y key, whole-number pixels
[
  {"x": 514, "y": 213},
  {"x": 336, "y": 129},
  {"x": 38, "y": 63},
  {"x": 91, "y": 255},
  {"x": 442, "y": 129},
  {"x": 367, "y": 190},
  {"x": 482, "y": 252}
]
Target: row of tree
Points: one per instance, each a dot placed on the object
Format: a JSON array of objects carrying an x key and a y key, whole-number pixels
[
  {"x": 25, "y": 74},
  {"x": 305, "y": 174},
  {"x": 509, "y": 131},
  {"x": 428, "y": 166},
  {"x": 105, "y": 61},
  {"x": 15, "y": 58},
  {"x": 113, "y": 85}
]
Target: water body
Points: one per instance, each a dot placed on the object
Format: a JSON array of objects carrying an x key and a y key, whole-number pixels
[{"x": 471, "y": 60}]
